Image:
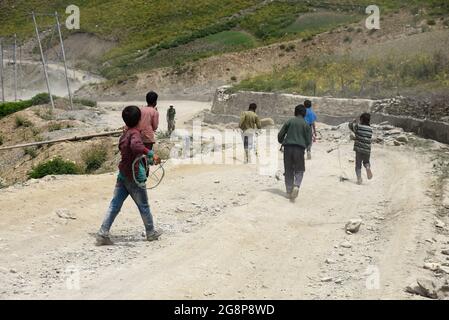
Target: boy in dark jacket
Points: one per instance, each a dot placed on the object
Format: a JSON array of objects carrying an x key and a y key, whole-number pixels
[
  {"x": 362, "y": 145},
  {"x": 131, "y": 147},
  {"x": 295, "y": 136}
]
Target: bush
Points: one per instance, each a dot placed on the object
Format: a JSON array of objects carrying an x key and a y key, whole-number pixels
[
  {"x": 431, "y": 22},
  {"x": 57, "y": 166},
  {"x": 233, "y": 78},
  {"x": 86, "y": 102},
  {"x": 55, "y": 126},
  {"x": 347, "y": 39},
  {"x": 31, "y": 152},
  {"x": 22, "y": 122},
  {"x": 41, "y": 98},
  {"x": 94, "y": 157},
  {"x": 8, "y": 108}
]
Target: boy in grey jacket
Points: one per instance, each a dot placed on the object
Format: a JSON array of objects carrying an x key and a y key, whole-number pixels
[{"x": 295, "y": 136}]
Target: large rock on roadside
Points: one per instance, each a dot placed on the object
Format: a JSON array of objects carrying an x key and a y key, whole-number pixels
[
  {"x": 423, "y": 287},
  {"x": 353, "y": 225},
  {"x": 402, "y": 138},
  {"x": 266, "y": 122}
]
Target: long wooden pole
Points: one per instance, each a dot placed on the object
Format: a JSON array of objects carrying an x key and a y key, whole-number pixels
[
  {"x": 76, "y": 138},
  {"x": 63, "y": 58},
  {"x": 1, "y": 71},
  {"x": 43, "y": 60},
  {"x": 15, "y": 66}
]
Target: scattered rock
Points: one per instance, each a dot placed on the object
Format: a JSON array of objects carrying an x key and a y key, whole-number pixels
[
  {"x": 330, "y": 261},
  {"x": 439, "y": 224},
  {"x": 402, "y": 138},
  {"x": 346, "y": 244},
  {"x": 353, "y": 225},
  {"x": 217, "y": 181},
  {"x": 445, "y": 251},
  {"x": 326, "y": 279},
  {"x": 65, "y": 214},
  {"x": 432, "y": 266}
]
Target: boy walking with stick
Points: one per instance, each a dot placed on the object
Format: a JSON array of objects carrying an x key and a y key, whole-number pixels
[{"x": 362, "y": 145}]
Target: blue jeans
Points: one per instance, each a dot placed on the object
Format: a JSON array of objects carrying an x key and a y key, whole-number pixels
[{"x": 123, "y": 188}]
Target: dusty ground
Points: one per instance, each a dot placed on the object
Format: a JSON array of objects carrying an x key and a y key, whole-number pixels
[{"x": 229, "y": 233}]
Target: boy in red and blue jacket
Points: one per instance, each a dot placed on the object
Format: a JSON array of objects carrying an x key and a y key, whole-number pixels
[{"x": 131, "y": 147}]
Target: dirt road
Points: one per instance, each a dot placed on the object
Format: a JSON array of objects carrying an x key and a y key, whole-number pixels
[{"x": 229, "y": 233}]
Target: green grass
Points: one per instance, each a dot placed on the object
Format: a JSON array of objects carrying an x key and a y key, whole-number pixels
[
  {"x": 345, "y": 76},
  {"x": 314, "y": 23},
  {"x": 144, "y": 28},
  {"x": 269, "y": 22}
]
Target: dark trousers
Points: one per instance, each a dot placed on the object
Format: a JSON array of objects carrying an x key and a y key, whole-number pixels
[
  {"x": 361, "y": 158},
  {"x": 294, "y": 166}
]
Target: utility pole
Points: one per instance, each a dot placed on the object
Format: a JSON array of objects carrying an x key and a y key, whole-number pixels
[
  {"x": 43, "y": 61},
  {"x": 15, "y": 66},
  {"x": 63, "y": 58},
  {"x": 1, "y": 71}
]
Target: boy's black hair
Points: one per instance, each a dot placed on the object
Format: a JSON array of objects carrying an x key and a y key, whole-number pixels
[
  {"x": 252, "y": 107},
  {"x": 365, "y": 119},
  {"x": 300, "y": 110},
  {"x": 308, "y": 104},
  {"x": 152, "y": 98},
  {"x": 131, "y": 116}
]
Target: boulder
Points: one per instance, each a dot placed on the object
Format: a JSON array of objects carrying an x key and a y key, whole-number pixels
[
  {"x": 353, "y": 225},
  {"x": 402, "y": 138},
  {"x": 266, "y": 122}
]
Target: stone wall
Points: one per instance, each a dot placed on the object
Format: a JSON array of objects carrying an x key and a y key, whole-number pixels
[
  {"x": 281, "y": 106},
  {"x": 332, "y": 111}
]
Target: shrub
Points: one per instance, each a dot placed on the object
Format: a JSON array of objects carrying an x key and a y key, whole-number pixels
[
  {"x": 31, "y": 152},
  {"x": 22, "y": 122},
  {"x": 347, "y": 39},
  {"x": 8, "y": 108},
  {"x": 233, "y": 78},
  {"x": 86, "y": 102},
  {"x": 41, "y": 98},
  {"x": 55, "y": 126},
  {"x": 94, "y": 157},
  {"x": 45, "y": 114},
  {"x": 282, "y": 47},
  {"x": 56, "y": 166},
  {"x": 431, "y": 22}
]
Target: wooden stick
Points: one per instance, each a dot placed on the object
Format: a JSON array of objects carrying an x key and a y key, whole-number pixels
[{"x": 76, "y": 138}]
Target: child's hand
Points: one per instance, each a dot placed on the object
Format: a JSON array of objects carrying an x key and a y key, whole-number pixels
[{"x": 156, "y": 160}]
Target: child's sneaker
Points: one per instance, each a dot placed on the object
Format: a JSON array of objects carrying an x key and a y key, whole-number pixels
[
  {"x": 359, "y": 180},
  {"x": 369, "y": 173},
  {"x": 154, "y": 235},
  {"x": 309, "y": 155},
  {"x": 103, "y": 240},
  {"x": 294, "y": 193}
]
